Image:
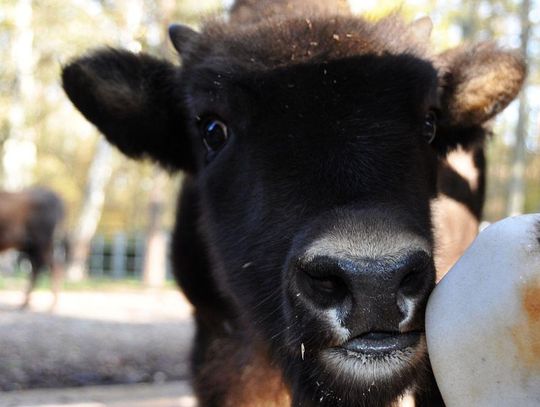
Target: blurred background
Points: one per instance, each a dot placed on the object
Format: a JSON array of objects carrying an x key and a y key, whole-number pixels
[{"x": 118, "y": 293}]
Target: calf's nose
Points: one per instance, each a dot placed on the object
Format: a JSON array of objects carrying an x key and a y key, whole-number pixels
[{"x": 370, "y": 294}]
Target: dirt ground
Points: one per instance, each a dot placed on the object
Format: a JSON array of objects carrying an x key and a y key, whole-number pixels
[
  {"x": 121, "y": 339},
  {"x": 93, "y": 338},
  {"x": 171, "y": 394}
]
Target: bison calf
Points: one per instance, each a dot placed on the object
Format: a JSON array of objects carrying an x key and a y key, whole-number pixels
[{"x": 304, "y": 238}]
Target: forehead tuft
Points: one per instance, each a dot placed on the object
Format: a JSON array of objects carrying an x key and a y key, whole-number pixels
[{"x": 279, "y": 42}]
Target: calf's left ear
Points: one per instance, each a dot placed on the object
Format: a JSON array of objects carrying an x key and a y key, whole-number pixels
[
  {"x": 477, "y": 83},
  {"x": 132, "y": 99}
]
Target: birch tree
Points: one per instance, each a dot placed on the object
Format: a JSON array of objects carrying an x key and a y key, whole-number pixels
[
  {"x": 516, "y": 195},
  {"x": 155, "y": 261},
  {"x": 19, "y": 156},
  {"x": 99, "y": 175}
]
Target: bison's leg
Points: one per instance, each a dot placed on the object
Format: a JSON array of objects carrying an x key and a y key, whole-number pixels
[
  {"x": 45, "y": 258},
  {"x": 57, "y": 276},
  {"x": 39, "y": 259},
  {"x": 34, "y": 274}
]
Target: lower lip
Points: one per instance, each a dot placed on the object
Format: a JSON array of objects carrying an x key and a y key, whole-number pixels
[{"x": 380, "y": 343}]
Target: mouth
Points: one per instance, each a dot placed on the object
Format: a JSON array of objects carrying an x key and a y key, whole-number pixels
[
  {"x": 381, "y": 343},
  {"x": 377, "y": 357}
]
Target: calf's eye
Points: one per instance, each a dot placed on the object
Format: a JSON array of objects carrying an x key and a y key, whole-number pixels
[
  {"x": 429, "y": 130},
  {"x": 214, "y": 135}
]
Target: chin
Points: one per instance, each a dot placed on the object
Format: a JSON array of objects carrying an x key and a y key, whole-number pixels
[{"x": 351, "y": 375}]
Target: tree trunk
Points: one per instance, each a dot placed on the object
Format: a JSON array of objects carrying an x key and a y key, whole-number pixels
[
  {"x": 101, "y": 167},
  {"x": 155, "y": 265},
  {"x": 19, "y": 156},
  {"x": 155, "y": 261},
  {"x": 516, "y": 193},
  {"x": 94, "y": 198}
]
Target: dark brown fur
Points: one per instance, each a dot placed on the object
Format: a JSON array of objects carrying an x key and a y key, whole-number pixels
[
  {"x": 253, "y": 11},
  {"x": 31, "y": 221}
]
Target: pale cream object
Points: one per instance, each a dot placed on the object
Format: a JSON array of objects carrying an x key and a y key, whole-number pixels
[{"x": 483, "y": 320}]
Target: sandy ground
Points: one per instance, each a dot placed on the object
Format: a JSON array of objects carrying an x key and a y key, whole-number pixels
[
  {"x": 93, "y": 338},
  {"x": 117, "y": 338},
  {"x": 172, "y": 394}
]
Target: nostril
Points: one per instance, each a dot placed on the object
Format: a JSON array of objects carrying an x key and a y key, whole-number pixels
[
  {"x": 415, "y": 274},
  {"x": 328, "y": 286},
  {"x": 416, "y": 278},
  {"x": 412, "y": 283},
  {"x": 320, "y": 281}
]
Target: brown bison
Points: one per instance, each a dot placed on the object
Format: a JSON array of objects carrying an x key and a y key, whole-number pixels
[
  {"x": 31, "y": 221},
  {"x": 311, "y": 140}
]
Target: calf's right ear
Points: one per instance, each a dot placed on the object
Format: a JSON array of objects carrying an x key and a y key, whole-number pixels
[{"x": 134, "y": 101}]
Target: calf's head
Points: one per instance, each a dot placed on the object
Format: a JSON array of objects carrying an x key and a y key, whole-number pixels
[{"x": 313, "y": 146}]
